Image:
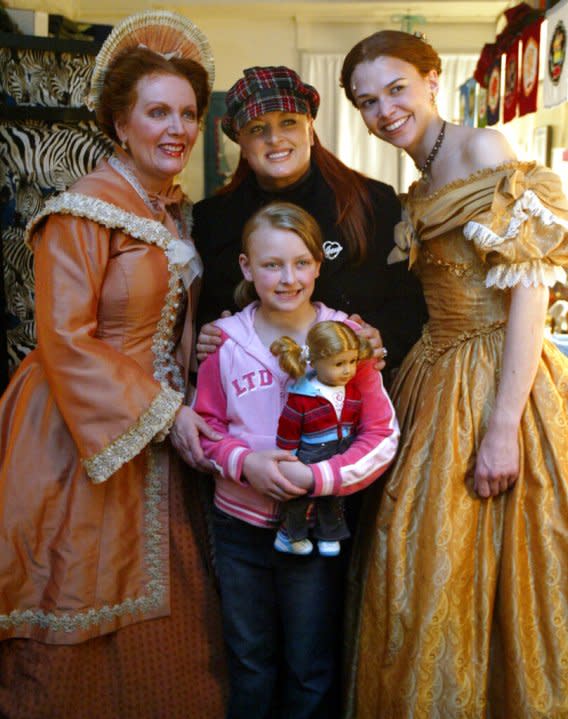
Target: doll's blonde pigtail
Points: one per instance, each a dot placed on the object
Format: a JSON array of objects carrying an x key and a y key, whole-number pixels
[{"x": 291, "y": 357}]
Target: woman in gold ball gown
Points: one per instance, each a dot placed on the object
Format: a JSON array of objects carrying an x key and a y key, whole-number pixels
[{"x": 460, "y": 596}]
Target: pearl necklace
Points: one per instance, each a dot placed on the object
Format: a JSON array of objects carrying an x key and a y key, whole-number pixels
[{"x": 423, "y": 169}]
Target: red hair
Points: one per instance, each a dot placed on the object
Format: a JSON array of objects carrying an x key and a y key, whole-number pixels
[
  {"x": 354, "y": 206},
  {"x": 118, "y": 95},
  {"x": 390, "y": 43}
]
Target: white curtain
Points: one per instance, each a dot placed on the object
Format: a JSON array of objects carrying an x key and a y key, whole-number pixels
[{"x": 342, "y": 131}]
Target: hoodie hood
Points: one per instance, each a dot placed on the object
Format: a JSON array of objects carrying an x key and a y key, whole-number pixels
[{"x": 240, "y": 327}]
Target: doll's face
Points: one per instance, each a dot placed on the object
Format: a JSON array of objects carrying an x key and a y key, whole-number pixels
[{"x": 338, "y": 369}]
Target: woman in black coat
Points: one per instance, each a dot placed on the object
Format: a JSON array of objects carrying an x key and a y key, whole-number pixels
[{"x": 270, "y": 113}]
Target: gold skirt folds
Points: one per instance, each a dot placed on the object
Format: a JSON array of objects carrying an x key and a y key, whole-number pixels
[{"x": 462, "y": 604}]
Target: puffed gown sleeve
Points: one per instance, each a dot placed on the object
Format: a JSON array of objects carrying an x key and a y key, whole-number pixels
[
  {"x": 111, "y": 405},
  {"x": 523, "y": 236}
]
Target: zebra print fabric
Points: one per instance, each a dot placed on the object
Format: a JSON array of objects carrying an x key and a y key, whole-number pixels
[
  {"x": 44, "y": 78},
  {"x": 36, "y": 160}
]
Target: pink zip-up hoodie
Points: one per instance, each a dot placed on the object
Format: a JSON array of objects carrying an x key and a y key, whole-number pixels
[{"x": 241, "y": 391}]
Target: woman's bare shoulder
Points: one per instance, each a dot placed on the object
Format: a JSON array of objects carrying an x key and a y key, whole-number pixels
[{"x": 485, "y": 147}]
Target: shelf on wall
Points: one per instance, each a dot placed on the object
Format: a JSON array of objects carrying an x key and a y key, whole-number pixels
[
  {"x": 19, "y": 113},
  {"x": 55, "y": 44}
]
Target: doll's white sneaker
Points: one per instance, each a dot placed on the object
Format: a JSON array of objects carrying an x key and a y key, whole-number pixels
[
  {"x": 328, "y": 549},
  {"x": 282, "y": 543}
]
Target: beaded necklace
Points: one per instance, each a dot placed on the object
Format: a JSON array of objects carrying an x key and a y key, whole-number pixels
[{"x": 423, "y": 169}]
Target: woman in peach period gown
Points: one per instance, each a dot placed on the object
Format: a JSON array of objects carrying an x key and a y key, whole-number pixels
[
  {"x": 107, "y": 603},
  {"x": 460, "y": 595}
]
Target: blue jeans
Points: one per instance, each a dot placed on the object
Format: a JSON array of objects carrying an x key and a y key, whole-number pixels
[{"x": 282, "y": 617}]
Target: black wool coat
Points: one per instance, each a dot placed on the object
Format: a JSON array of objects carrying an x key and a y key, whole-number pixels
[{"x": 388, "y": 297}]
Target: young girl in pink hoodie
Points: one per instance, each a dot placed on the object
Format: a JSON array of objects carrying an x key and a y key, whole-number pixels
[{"x": 281, "y": 612}]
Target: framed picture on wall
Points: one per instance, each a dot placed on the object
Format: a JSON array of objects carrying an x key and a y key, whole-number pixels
[{"x": 467, "y": 102}]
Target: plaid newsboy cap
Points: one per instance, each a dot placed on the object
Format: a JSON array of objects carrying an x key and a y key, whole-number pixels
[{"x": 267, "y": 89}]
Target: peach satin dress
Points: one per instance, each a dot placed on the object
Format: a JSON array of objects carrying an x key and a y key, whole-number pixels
[{"x": 107, "y": 605}]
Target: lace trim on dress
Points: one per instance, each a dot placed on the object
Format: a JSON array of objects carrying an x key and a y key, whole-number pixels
[
  {"x": 123, "y": 170},
  {"x": 152, "y": 425},
  {"x": 534, "y": 273},
  {"x": 160, "y": 413},
  {"x": 155, "y": 588},
  {"x": 528, "y": 205},
  {"x": 530, "y": 273},
  {"x": 472, "y": 177},
  {"x": 170, "y": 203},
  {"x": 179, "y": 253}
]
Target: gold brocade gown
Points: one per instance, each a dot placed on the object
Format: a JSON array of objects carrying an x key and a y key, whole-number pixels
[{"x": 463, "y": 609}]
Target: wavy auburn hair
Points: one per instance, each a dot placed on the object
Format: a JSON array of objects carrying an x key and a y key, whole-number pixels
[{"x": 389, "y": 43}]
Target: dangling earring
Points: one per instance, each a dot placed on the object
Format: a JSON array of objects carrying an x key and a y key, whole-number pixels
[
  {"x": 433, "y": 99},
  {"x": 369, "y": 132},
  {"x": 124, "y": 145}
]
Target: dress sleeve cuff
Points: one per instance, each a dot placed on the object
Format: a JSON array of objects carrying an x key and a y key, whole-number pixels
[
  {"x": 534, "y": 273},
  {"x": 154, "y": 421}
]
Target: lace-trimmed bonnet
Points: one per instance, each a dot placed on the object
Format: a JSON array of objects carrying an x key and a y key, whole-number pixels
[{"x": 166, "y": 33}]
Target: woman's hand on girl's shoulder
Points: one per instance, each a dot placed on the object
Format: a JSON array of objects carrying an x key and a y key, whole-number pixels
[
  {"x": 373, "y": 337},
  {"x": 262, "y": 471},
  {"x": 487, "y": 148},
  {"x": 209, "y": 339}
]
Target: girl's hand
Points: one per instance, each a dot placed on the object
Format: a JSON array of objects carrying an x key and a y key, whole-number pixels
[
  {"x": 263, "y": 474},
  {"x": 373, "y": 337},
  {"x": 185, "y": 438},
  {"x": 298, "y": 473},
  {"x": 497, "y": 465},
  {"x": 209, "y": 339}
]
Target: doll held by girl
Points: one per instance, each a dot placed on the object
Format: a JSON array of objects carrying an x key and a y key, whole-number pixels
[{"x": 320, "y": 419}]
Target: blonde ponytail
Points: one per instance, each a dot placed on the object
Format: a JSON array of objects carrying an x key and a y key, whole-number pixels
[{"x": 291, "y": 358}]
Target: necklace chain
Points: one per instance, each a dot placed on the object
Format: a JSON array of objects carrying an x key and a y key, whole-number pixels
[{"x": 433, "y": 152}]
